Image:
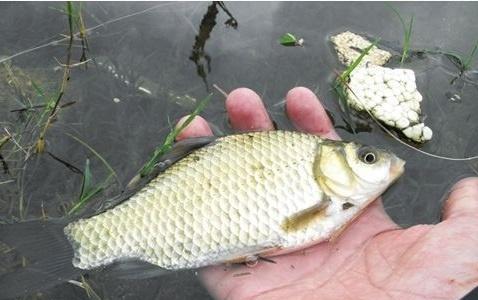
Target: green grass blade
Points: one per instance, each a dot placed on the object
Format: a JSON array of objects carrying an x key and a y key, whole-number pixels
[
  {"x": 38, "y": 89},
  {"x": 168, "y": 142},
  {"x": 406, "y": 41},
  {"x": 407, "y": 33},
  {"x": 84, "y": 199},
  {"x": 469, "y": 60},
  {"x": 107, "y": 165},
  {"x": 69, "y": 9},
  {"x": 87, "y": 189},
  {"x": 345, "y": 75},
  {"x": 342, "y": 80},
  {"x": 87, "y": 177},
  {"x": 404, "y": 26}
]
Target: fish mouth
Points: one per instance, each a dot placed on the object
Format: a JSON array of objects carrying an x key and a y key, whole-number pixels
[{"x": 397, "y": 167}]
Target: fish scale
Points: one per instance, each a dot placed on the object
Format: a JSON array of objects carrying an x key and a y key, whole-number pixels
[
  {"x": 219, "y": 200},
  {"x": 220, "y": 203}
]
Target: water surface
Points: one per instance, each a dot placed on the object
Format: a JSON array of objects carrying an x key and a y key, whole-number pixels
[{"x": 163, "y": 48}]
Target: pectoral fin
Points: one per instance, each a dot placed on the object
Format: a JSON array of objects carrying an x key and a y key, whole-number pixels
[{"x": 305, "y": 217}]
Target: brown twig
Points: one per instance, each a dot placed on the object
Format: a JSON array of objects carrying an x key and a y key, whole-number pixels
[
  {"x": 41, "y": 106},
  {"x": 65, "y": 163},
  {"x": 82, "y": 62},
  {"x": 40, "y": 144},
  {"x": 220, "y": 90}
]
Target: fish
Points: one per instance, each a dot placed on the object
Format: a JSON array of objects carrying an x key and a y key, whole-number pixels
[{"x": 230, "y": 199}]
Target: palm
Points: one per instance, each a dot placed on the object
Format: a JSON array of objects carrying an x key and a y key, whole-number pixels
[{"x": 373, "y": 258}]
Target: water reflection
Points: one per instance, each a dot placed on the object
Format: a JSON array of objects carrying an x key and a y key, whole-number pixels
[{"x": 199, "y": 56}]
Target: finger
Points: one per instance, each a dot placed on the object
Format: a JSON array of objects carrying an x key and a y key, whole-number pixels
[
  {"x": 307, "y": 113},
  {"x": 197, "y": 128},
  {"x": 462, "y": 200},
  {"x": 246, "y": 111}
]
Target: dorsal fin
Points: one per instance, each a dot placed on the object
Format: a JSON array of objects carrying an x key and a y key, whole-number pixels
[
  {"x": 178, "y": 151},
  {"x": 184, "y": 147}
]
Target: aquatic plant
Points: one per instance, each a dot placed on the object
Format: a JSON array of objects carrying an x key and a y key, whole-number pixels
[
  {"x": 407, "y": 34},
  {"x": 159, "y": 151},
  {"x": 340, "y": 85},
  {"x": 171, "y": 137},
  {"x": 463, "y": 63},
  {"x": 18, "y": 134},
  {"x": 469, "y": 60},
  {"x": 289, "y": 40},
  {"x": 90, "y": 292},
  {"x": 88, "y": 189},
  {"x": 75, "y": 21}
]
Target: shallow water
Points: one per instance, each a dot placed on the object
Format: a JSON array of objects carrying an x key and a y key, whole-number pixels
[{"x": 152, "y": 48}]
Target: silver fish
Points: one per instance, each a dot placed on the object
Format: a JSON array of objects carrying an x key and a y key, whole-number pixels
[{"x": 242, "y": 196}]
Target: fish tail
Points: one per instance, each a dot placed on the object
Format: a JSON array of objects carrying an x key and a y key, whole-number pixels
[{"x": 34, "y": 256}]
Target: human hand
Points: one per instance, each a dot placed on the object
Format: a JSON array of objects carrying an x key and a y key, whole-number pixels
[{"x": 373, "y": 258}]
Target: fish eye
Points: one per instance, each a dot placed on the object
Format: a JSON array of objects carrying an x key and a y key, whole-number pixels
[{"x": 367, "y": 155}]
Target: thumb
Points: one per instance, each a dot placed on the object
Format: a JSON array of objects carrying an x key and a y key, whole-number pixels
[{"x": 462, "y": 200}]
